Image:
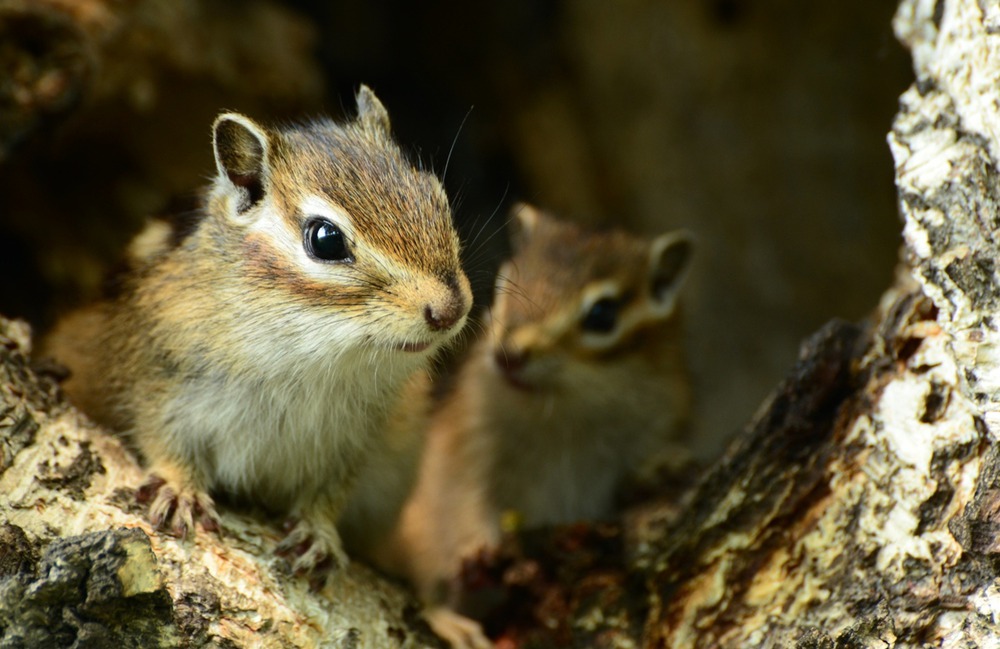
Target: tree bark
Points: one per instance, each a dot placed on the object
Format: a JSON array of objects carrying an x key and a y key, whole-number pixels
[
  {"x": 858, "y": 509},
  {"x": 65, "y": 55},
  {"x": 80, "y": 567},
  {"x": 869, "y": 519}
]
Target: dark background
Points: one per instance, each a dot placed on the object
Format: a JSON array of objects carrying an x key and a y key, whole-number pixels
[{"x": 758, "y": 125}]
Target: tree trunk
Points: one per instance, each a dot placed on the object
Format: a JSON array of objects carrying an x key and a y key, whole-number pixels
[
  {"x": 858, "y": 509},
  {"x": 62, "y": 56},
  {"x": 80, "y": 567},
  {"x": 869, "y": 519}
]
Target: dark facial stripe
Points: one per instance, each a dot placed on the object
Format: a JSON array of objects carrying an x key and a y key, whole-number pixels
[{"x": 272, "y": 270}]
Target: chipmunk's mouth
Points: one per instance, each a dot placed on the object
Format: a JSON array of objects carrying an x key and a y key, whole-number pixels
[
  {"x": 516, "y": 380},
  {"x": 510, "y": 364},
  {"x": 518, "y": 383}
]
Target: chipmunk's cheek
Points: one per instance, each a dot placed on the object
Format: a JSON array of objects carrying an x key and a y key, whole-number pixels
[
  {"x": 268, "y": 267},
  {"x": 519, "y": 384}
]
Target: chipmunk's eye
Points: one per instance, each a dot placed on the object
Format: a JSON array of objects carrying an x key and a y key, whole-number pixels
[
  {"x": 324, "y": 240},
  {"x": 602, "y": 316}
]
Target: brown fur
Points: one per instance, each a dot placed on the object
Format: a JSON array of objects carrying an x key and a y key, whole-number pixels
[
  {"x": 237, "y": 363},
  {"x": 584, "y": 412}
]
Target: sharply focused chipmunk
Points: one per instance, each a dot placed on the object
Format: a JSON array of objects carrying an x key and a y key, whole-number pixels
[
  {"x": 579, "y": 380},
  {"x": 263, "y": 353}
]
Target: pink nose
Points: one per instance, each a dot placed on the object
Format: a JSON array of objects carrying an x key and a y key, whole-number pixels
[
  {"x": 509, "y": 360},
  {"x": 443, "y": 318}
]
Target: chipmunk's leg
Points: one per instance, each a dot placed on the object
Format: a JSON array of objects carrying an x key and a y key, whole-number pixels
[
  {"x": 177, "y": 495},
  {"x": 312, "y": 543},
  {"x": 460, "y": 632}
]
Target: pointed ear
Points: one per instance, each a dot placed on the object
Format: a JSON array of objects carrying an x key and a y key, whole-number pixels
[
  {"x": 371, "y": 113},
  {"x": 241, "y": 150},
  {"x": 669, "y": 260},
  {"x": 522, "y": 224}
]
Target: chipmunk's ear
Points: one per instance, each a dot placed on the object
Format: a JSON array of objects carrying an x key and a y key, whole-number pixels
[
  {"x": 522, "y": 224},
  {"x": 241, "y": 149},
  {"x": 669, "y": 260},
  {"x": 371, "y": 113}
]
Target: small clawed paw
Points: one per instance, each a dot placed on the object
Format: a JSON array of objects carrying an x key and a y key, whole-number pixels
[
  {"x": 460, "y": 631},
  {"x": 174, "y": 509},
  {"x": 313, "y": 551}
]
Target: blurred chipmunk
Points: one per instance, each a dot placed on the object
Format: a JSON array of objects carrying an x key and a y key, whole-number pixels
[{"x": 579, "y": 381}]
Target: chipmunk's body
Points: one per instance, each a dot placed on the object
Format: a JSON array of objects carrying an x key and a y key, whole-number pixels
[
  {"x": 578, "y": 382},
  {"x": 262, "y": 353}
]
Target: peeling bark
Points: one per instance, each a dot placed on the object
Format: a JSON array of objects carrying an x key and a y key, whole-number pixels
[
  {"x": 80, "y": 566},
  {"x": 860, "y": 507}
]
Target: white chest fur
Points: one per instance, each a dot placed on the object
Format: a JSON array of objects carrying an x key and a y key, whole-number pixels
[
  {"x": 285, "y": 436},
  {"x": 560, "y": 455}
]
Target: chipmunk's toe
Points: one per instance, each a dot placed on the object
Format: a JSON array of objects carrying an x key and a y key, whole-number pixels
[
  {"x": 313, "y": 550},
  {"x": 174, "y": 508}
]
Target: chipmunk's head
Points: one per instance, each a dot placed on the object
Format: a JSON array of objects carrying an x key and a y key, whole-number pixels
[
  {"x": 569, "y": 297},
  {"x": 336, "y": 233}
]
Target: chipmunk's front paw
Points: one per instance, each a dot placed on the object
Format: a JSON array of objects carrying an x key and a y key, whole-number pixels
[
  {"x": 460, "y": 631},
  {"x": 314, "y": 549},
  {"x": 175, "y": 506}
]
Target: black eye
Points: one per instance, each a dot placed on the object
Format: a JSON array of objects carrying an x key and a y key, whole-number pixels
[
  {"x": 325, "y": 241},
  {"x": 602, "y": 316}
]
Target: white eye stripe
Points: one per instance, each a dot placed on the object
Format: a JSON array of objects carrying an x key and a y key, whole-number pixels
[
  {"x": 594, "y": 293},
  {"x": 314, "y": 205}
]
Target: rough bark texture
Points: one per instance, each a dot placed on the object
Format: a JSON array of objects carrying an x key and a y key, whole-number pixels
[
  {"x": 80, "y": 567},
  {"x": 859, "y": 509}
]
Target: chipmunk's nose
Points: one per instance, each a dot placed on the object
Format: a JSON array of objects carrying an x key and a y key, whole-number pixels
[
  {"x": 442, "y": 317},
  {"x": 509, "y": 359}
]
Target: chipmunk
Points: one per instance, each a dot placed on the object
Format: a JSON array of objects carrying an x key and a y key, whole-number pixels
[
  {"x": 578, "y": 382},
  {"x": 263, "y": 353}
]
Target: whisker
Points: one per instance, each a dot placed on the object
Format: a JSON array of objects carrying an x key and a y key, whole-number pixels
[
  {"x": 444, "y": 174},
  {"x": 475, "y": 239}
]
